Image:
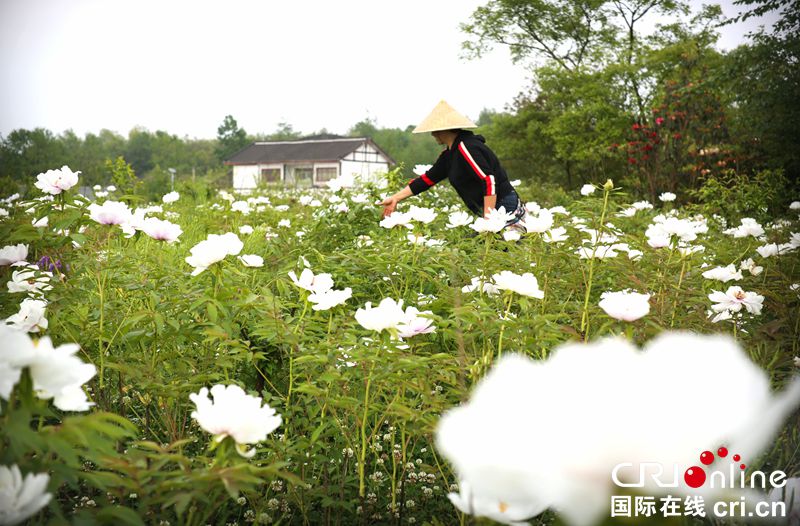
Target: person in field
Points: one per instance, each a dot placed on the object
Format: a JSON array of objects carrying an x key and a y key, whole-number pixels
[{"x": 472, "y": 168}]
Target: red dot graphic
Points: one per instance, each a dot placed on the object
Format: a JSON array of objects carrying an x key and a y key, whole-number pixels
[
  {"x": 736, "y": 458},
  {"x": 706, "y": 457},
  {"x": 742, "y": 466},
  {"x": 694, "y": 477},
  {"x": 722, "y": 452}
]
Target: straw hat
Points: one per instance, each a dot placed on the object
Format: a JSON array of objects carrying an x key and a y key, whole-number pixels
[{"x": 444, "y": 117}]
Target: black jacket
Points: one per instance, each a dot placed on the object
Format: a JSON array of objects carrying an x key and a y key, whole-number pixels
[{"x": 471, "y": 167}]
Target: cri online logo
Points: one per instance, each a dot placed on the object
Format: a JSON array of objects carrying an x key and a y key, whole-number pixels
[{"x": 695, "y": 476}]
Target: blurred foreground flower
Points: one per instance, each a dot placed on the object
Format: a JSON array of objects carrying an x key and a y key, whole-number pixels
[
  {"x": 588, "y": 189},
  {"x": 171, "y": 197},
  {"x": 11, "y": 254},
  {"x": 236, "y": 414},
  {"x": 500, "y": 452},
  {"x": 56, "y": 372},
  {"x": 56, "y": 181},
  {"x": 625, "y": 305},
  {"x": 21, "y": 498}
]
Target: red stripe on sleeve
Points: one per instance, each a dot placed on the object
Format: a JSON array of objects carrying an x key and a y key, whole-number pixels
[{"x": 427, "y": 179}]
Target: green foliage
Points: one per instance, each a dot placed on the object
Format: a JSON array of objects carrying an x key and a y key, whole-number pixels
[
  {"x": 735, "y": 195},
  {"x": 123, "y": 176}
]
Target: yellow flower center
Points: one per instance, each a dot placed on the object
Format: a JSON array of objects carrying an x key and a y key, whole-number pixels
[{"x": 502, "y": 506}]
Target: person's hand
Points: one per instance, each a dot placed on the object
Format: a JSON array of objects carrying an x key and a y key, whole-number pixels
[{"x": 389, "y": 205}]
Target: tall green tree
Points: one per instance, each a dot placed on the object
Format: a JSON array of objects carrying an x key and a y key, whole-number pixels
[{"x": 230, "y": 138}]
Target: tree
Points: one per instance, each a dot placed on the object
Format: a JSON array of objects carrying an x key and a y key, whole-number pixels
[{"x": 230, "y": 138}]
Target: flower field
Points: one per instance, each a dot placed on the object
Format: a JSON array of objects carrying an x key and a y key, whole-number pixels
[{"x": 288, "y": 357}]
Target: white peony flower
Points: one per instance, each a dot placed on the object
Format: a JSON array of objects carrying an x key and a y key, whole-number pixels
[
  {"x": 457, "y": 219},
  {"x": 251, "y": 260},
  {"x": 212, "y": 250},
  {"x": 541, "y": 222},
  {"x": 667, "y": 197},
  {"x": 56, "y": 181},
  {"x": 170, "y": 197},
  {"x": 768, "y": 250},
  {"x": 625, "y": 305},
  {"x": 748, "y": 227},
  {"x": 330, "y": 298},
  {"x": 414, "y": 324},
  {"x": 526, "y": 284},
  {"x": 588, "y": 189},
  {"x": 421, "y": 214},
  {"x": 245, "y": 229},
  {"x": 31, "y": 280},
  {"x": 496, "y": 445},
  {"x": 723, "y": 274},
  {"x": 512, "y": 235},
  {"x": 241, "y": 206},
  {"x": 555, "y": 235},
  {"x": 494, "y": 223},
  {"x": 386, "y": 316},
  {"x": 234, "y": 413},
  {"x": 285, "y": 223},
  {"x": 396, "y": 218},
  {"x": 21, "y": 498},
  {"x": 11, "y": 254},
  {"x": 488, "y": 288},
  {"x": 110, "y": 213},
  {"x": 734, "y": 299},
  {"x": 161, "y": 230},
  {"x": 318, "y": 283},
  {"x": 750, "y": 266},
  {"x": 30, "y": 317}
]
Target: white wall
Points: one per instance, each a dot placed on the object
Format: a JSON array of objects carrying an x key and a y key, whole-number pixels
[
  {"x": 363, "y": 171},
  {"x": 245, "y": 176}
]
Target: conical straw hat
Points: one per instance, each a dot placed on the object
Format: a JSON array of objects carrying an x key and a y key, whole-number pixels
[{"x": 444, "y": 117}]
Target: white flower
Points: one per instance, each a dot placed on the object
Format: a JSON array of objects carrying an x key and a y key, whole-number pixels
[
  {"x": 494, "y": 223},
  {"x": 748, "y": 227},
  {"x": 161, "y": 230},
  {"x": 170, "y": 197},
  {"x": 420, "y": 169},
  {"x": 457, "y": 219},
  {"x": 251, "y": 260},
  {"x": 599, "y": 252},
  {"x": 30, "y": 317},
  {"x": 488, "y": 288},
  {"x": 241, "y": 206},
  {"x": 56, "y": 181},
  {"x": 667, "y": 196},
  {"x": 110, "y": 213},
  {"x": 245, "y": 229},
  {"x": 625, "y": 305},
  {"x": 421, "y": 214},
  {"x": 21, "y": 498},
  {"x": 795, "y": 205},
  {"x": 234, "y": 413},
  {"x": 734, "y": 299},
  {"x": 642, "y": 205},
  {"x": 213, "y": 249},
  {"x": 526, "y": 284},
  {"x": 588, "y": 189},
  {"x": 541, "y": 222},
  {"x": 30, "y": 279},
  {"x": 511, "y": 235},
  {"x": 330, "y": 298},
  {"x": 11, "y": 254},
  {"x": 386, "y": 316},
  {"x": 496, "y": 445},
  {"x": 493, "y": 508},
  {"x": 414, "y": 324},
  {"x": 516, "y": 182},
  {"x": 723, "y": 274},
  {"x": 110, "y": 188},
  {"x": 286, "y": 223},
  {"x": 342, "y": 208},
  {"x": 555, "y": 235},
  {"x": 305, "y": 199},
  {"x": 56, "y": 372},
  {"x": 768, "y": 250},
  {"x": 283, "y": 208},
  {"x": 396, "y": 218},
  {"x": 318, "y": 283}
]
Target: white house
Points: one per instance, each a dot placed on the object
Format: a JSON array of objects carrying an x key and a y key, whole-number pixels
[{"x": 311, "y": 161}]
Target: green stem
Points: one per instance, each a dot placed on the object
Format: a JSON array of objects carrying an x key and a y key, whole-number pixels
[
  {"x": 585, "y": 314},
  {"x": 483, "y": 265},
  {"x": 291, "y": 360},
  {"x": 363, "y": 453},
  {"x": 677, "y": 292},
  {"x": 503, "y": 327}
]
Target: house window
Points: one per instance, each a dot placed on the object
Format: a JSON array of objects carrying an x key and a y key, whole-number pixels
[
  {"x": 326, "y": 174},
  {"x": 270, "y": 175},
  {"x": 303, "y": 176}
]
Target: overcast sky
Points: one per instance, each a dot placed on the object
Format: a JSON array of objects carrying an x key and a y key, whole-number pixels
[{"x": 181, "y": 66}]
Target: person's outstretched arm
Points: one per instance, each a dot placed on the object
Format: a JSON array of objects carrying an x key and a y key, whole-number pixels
[{"x": 390, "y": 203}]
